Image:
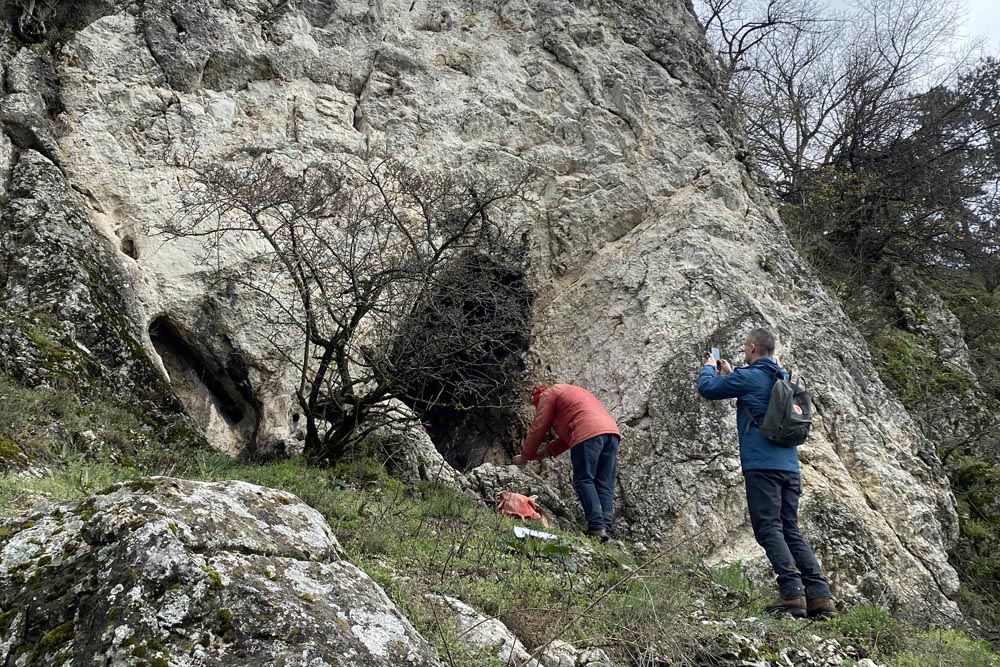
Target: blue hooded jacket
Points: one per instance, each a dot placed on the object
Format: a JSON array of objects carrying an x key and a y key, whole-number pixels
[{"x": 751, "y": 387}]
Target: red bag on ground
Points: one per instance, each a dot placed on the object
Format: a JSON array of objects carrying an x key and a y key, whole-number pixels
[{"x": 518, "y": 506}]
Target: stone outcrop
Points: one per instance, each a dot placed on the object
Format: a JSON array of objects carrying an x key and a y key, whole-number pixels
[
  {"x": 649, "y": 240},
  {"x": 489, "y": 480},
  {"x": 69, "y": 317},
  {"x": 740, "y": 643},
  {"x": 163, "y": 571},
  {"x": 943, "y": 390},
  {"x": 494, "y": 642}
]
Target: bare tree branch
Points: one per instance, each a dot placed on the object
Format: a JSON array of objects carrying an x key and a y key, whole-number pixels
[{"x": 398, "y": 283}]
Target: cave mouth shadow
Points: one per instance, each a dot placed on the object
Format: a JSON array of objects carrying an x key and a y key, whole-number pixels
[
  {"x": 470, "y": 425},
  {"x": 205, "y": 385},
  {"x": 468, "y": 438}
]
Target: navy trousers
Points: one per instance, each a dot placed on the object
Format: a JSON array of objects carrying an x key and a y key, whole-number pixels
[{"x": 595, "y": 463}]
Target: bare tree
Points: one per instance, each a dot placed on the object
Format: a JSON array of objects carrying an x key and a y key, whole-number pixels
[
  {"x": 397, "y": 283},
  {"x": 738, "y": 28},
  {"x": 820, "y": 87},
  {"x": 37, "y": 21},
  {"x": 790, "y": 96}
]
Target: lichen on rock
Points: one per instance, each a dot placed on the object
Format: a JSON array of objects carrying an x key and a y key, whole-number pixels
[{"x": 173, "y": 572}]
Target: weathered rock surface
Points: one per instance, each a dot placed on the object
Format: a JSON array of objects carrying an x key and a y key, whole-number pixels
[
  {"x": 410, "y": 455},
  {"x": 952, "y": 409},
  {"x": 171, "y": 572},
  {"x": 649, "y": 239},
  {"x": 492, "y": 640},
  {"x": 69, "y": 317},
  {"x": 741, "y": 643}
]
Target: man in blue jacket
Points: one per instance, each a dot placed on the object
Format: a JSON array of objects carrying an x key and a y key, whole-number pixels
[{"x": 771, "y": 473}]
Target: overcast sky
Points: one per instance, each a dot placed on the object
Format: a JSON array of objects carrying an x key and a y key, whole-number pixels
[{"x": 984, "y": 19}]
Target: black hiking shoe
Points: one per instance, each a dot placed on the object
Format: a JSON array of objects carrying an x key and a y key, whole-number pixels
[
  {"x": 792, "y": 606},
  {"x": 821, "y": 608},
  {"x": 599, "y": 533}
]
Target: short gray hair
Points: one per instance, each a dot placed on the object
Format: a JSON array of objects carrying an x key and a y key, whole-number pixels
[{"x": 763, "y": 339}]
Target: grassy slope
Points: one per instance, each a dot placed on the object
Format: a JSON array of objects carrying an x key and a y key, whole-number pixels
[{"x": 642, "y": 609}]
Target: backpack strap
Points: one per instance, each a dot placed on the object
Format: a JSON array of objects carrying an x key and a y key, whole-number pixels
[
  {"x": 777, "y": 375},
  {"x": 753, "y": 421}
]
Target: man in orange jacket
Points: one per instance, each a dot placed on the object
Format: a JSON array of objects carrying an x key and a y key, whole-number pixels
[{"x": 590, "y": 433}]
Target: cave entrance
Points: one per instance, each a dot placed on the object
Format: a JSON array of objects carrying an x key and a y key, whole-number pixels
[
  {"x": 214, "y": 394},
  {"x": 470, "y": 402}
]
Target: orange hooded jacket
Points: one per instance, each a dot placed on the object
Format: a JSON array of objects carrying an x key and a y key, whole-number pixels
[{"x": 572, "y": 412}]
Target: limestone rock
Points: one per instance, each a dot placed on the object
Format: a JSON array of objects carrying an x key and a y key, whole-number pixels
[
  {"x": 412, "y": 456},
  {"x": 489, "y": 636},
  {"x": 742, "y": 642},
  {"x": 167, "y": 571},
  {"x": 482, "y": 633},
  {"x": 926, "y": 314},
  {"x": 489, "y": 480},
  {"x": 24, "y": 119},
  {"x": 649, "y": 239},
  {"x": 69, "y": 316},
  {"x": 563, "y": 654}
]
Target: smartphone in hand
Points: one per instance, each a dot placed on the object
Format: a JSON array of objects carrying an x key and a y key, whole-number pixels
[{"x": 716, "y": 355}]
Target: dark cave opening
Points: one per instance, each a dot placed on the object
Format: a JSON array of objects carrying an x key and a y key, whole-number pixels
[
  {"x": 182, "y": 356},
  {"x": 129, "y": 247},
  {"x": 470, "y": 405}
]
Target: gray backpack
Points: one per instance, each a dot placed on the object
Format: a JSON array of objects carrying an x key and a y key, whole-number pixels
[{"x": 789, "y": 414}]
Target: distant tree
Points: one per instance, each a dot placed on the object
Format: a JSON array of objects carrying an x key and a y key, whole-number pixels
[
  {"x": 923, "y": 195},
  {"x": 819, "y": 88},
  {"x": 395, "y": 283},
  {"x": 739, "y": 28},
  {"x": 876, "y": 148}
]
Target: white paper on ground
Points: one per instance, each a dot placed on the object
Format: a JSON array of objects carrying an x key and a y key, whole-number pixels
[{"x": 521, "y": 531}]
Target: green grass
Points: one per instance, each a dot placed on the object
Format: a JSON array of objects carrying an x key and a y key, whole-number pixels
[
  {"x": 945, "y": 648},
  {"x": 731, "y": 578},
  {"x": 430, "y": 539},
  {"x": 49, "y": 425}
]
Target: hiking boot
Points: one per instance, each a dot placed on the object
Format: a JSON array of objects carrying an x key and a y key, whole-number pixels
[
  {"x": 794, "y": 606},
  {"x": 821, "y": 608},
  {"x": 599, "y": 533}
]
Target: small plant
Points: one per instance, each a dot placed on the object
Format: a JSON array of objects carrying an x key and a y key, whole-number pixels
[
  {"x": 767, "y": 263},
  {"x": 874, "y": 626},
  {"x": 84, "y": 481},
  {"x": 731, "y": 578},
  {"x": 211, "y": 465},
  {"x": 558, "y": 551},
  {"x": 67, "y": 451}
]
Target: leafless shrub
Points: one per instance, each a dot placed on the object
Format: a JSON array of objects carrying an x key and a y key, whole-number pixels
[{"x": 396, "y": 283}]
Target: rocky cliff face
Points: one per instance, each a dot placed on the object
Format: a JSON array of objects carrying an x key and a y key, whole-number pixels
[{"x": 649, "y": 240}]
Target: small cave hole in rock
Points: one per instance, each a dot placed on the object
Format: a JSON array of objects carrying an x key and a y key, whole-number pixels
[
  {"x": 471, "y": 404},
  {"x": 211, "y": 395},
  {"x": 129, "y": 247}
]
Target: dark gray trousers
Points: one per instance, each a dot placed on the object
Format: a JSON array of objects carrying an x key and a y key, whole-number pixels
[{"x": 773, "y": 501}]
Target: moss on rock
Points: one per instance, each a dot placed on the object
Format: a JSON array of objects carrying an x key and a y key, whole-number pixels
[
  {"x": 53, "y": 643},
  {"x": 11, "y": 453}
]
